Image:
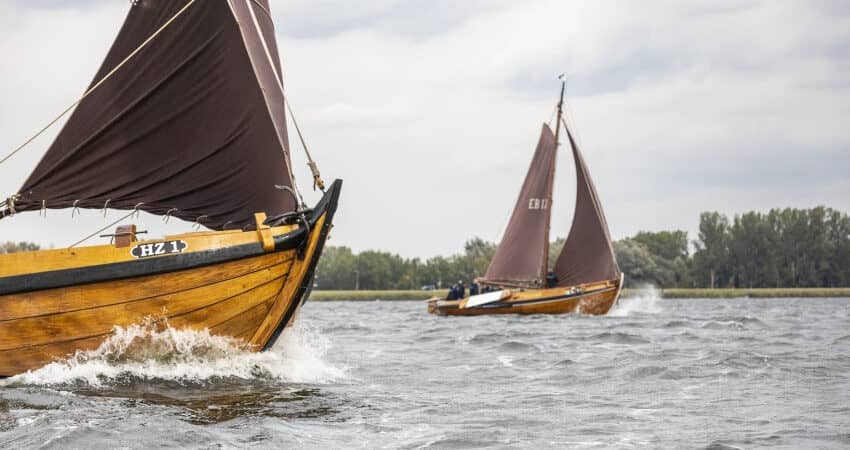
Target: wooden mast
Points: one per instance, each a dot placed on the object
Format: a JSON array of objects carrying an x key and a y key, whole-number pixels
[{"x": 545, "y": 268}]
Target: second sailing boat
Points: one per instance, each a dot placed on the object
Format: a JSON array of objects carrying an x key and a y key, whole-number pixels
[{"x": 586, "y": 277}]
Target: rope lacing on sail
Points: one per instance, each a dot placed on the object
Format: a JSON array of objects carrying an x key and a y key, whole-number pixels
[
  {"x": 130, "y": 214},
  {"x": 168, "y": 213},
  {"x": 299, "y": 201},
  {"x": 7, "y": 207},
  {"x": 201, "y": 218}
]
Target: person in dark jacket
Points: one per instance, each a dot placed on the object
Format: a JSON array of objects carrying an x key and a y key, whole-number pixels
[
  {"x": 461, "y": 290},
  {"x": 473, "y": 288},
  {"x": 452, "y": 293},
  {"x": 551, "y": 279}
]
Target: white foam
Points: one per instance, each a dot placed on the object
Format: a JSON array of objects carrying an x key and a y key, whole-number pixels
[
  {"x": 142, "y": 351},
  {"x": 645, "y": 302}
]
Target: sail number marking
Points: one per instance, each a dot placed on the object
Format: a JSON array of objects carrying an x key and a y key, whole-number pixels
[
  {"x": 159, "y": 249},
  {"x": 538, "y": 203}
]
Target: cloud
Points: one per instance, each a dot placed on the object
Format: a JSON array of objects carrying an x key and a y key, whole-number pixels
[{"x": 431, "y": 113}]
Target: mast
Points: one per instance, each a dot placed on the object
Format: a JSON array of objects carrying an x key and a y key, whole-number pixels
[
  {"x": 563, "y": 79},
  {"x": 588, "y": 255},
  {"x": 545, "y": 267}
]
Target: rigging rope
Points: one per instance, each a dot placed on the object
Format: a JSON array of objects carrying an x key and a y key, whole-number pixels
[
  {"x": 102, "y": 229},
  {"x": 99, "y": 83},
  {"x": 314, "y": 168}
]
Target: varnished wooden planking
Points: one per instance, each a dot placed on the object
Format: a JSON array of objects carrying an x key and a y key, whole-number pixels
[
  {"x": 244, "y": 323},
  {"x": 293, "y": 282},
  {"x": 89, "y": 322},
  {"x": 216, "y": 313},
  {"x": 229, "y": 311},
  {"x": 52, "y": 301},
  {"x": 20, "y": 360}
]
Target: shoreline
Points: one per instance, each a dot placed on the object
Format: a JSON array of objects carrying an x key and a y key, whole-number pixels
[{"x": 673, "y": 293}]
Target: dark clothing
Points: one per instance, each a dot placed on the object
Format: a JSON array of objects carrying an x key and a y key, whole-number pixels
[
  {"x": 461, "y": 291},
  {"x": 473, "y": 289},
  {"x": 551, "y": 280},
  {"x": 452, "y": 293}
]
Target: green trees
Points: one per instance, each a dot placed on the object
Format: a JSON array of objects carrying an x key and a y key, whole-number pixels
[
  {"x": 339, "y": 268},
  {"x": 782, "y": 248},
  {"x": 660, "y": 259},
  {"x": 14, "y": 247}
]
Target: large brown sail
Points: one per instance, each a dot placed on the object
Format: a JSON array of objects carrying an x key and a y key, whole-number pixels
[
  {"x": 587, "y": 255},
  {"x": 193, "y": 125},
  {"x": 521, "y": 255}
]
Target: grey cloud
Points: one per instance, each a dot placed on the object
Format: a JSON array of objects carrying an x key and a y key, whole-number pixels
[
  {"x": 681, "y": 107},
  {"x": 412, "y": 19}
]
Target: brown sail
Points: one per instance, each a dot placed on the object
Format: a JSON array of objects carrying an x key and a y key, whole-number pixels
[
  {"x": 193, "y": 125},
  {"x": 587, "y": 255},
  {"x": 521, "y": 255}
]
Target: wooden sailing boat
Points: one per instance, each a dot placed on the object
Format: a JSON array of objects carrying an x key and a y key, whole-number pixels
[
  {"x": 186, "y": 118},
  {"x": 587, "y": 278}
]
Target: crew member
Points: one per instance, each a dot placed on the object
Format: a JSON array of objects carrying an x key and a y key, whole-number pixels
[
  {"x": 473, "y": 288},
  {"x": 551, "y": 279}
]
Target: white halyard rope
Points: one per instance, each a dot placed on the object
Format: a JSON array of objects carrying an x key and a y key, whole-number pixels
[{"x": 99, "y": 83}]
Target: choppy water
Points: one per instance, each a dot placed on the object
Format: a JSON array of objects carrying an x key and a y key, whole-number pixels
[{"x": 742, "y": 373}]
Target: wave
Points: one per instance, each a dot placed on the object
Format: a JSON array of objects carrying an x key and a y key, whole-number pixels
[
  {"x": 734, "y": 323},
  {"x": 645, "y": 302},
  {"x": 189, "y": 356},
  {"x": 616, "y": 337}
]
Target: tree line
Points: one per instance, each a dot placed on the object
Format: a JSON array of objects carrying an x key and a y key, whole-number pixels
[
  {"x": 15, "y": 247},
  {"x": 782, "y": 248}
]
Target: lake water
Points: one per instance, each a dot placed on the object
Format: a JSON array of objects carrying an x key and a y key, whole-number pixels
[{"x": 742, "y": 373}]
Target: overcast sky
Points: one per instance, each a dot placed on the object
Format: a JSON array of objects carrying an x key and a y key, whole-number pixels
[{"x": 430, "y": 109}]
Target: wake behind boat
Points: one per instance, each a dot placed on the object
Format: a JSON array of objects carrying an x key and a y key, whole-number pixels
[
  {"x": 586, "y": 277},
  {"x": 186, "y": 118}
]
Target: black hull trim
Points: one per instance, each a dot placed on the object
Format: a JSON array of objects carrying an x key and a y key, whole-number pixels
[
  {"x": 131, "y": 269},
  {"x": 328, "y": 204}
]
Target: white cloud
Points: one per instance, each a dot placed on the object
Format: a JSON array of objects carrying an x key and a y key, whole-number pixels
[{"x": 430, "y": 114}]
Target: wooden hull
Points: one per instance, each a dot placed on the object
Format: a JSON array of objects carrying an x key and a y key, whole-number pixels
[
  {"x": 594, "y": 299},
  {"x": 232, "y": 283}
]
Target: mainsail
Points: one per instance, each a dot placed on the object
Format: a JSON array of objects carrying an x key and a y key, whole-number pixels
[
  {"x": 192, "y": 126},
  {"x": 587, "y": 255},
  {"x": 521, "y": 255}
]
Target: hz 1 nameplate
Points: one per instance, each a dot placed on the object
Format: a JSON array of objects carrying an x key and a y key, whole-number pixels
[{"x": 158, "y": 249}]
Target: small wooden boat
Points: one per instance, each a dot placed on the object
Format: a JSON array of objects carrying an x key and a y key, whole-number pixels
[
  {"x": 186, "y": 118},
  {"x": 586, "y": 277}
]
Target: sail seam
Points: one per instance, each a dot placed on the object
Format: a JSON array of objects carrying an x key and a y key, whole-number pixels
[
  {"x": 257, "y": 77},
  {"x": 279, "y": 84}
]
